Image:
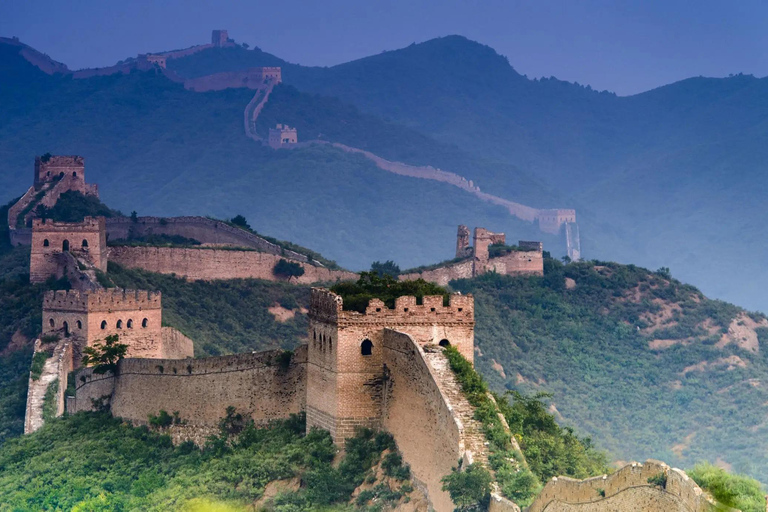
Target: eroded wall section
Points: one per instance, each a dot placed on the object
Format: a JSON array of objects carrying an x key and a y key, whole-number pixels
[{"x": 627, "y": 489}]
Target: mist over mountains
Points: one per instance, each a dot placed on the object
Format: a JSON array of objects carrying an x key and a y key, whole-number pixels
[{"x": 671, "y": 177}]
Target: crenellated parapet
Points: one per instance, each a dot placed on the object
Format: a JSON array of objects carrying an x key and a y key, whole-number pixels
[
  {"x": 117, "y": 299},
  {"x": 328, "y": 306}
]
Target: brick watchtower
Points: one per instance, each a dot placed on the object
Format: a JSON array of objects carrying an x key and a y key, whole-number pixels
[
  {"x": 51, "y": 239},
  {"x": 89, "y": 317},
  {"x": 51, "y": 168},
  {"x": 345, "y": 373}
]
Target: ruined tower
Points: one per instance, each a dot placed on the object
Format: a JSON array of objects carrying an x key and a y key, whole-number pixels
[
  {"x": 462, "y": 242},
  {"x": 52, "y": 241},
  {"x": 219, "y": 38},
  {"x": 484, "y": 239},
  {"x": 345, "y": 369}
]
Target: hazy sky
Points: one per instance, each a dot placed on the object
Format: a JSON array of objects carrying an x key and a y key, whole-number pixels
[{"x": 622, "y": 46}]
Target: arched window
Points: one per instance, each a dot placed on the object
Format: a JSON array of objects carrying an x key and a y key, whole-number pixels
[
  {"x": 366, "y": 347},
  {"x": 129, "y": 324},
  {"x": 144, "y": 322},
  {"x": 61, "y": 174},
  {"x": 52, "y": 323},
  {"x": 85, "y": 243},
  {"x": 46, "y": 243},
  {"x": 66, "y": 330},
  {"x": 79, "y": 324},
  {"x": 65, "y": 245},
  {"x": 119, "y": 324},
  {"x": 103, "y": 324},
  {"x": 74, "y": 174},
  {"x": 445, "y": 343}
]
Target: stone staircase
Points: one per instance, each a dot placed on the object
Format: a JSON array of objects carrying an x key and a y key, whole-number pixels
[
  {"x": 472, "y": 434},
  {"x": 55, "y": 366}
]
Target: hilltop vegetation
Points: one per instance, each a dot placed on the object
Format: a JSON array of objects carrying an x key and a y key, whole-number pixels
[
  {"x": 91, "y": 461},
  {"x": 640, "y": 362}
]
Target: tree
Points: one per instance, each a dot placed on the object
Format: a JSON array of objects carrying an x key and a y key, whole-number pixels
[
  {"x": 566, "y": 259},
  {"x": 469, "y": 489},
  {"x": 239, "y": 221},
  {"x": 288, "y": 269},
  {"x": 388, "y": 268},
  {"x": 134, "y": 216},
  {"x": 104, "y": 357}
]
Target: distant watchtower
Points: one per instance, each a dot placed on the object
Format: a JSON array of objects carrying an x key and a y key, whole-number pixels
[
  {"x": 282, "y": 135},
  {"x": 51, "y": 240},
  {"x": 52, "y": 168},
  {"x": 345, "y": 373},
  {"x": 219, "y": 38}
]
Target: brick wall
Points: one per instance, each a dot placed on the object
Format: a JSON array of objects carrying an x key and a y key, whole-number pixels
[
  {"x": 627, "y": 489},
  {"x": 443, "y": 275},
  {"x": 201, "y": 389},
  {"x": 209, "y": 264},
  {"x": 419, "y": 417},
  {"x": 202, "y": 229}
]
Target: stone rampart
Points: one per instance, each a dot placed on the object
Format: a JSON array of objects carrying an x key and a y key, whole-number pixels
[
  {"x": 627, "y": 489},
  {"x": 442, "y": 275},
  {"x": 428, "y": 434},
  {"x": 251, "y": 78},
  {"x": 264, "y": 385},
  {"x": 211, "y": 264},
  {"x": 175, "y": 344},
  {"x": 202, "y": 229}
]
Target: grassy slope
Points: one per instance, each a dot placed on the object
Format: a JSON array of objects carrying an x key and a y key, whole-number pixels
[{"x": 590, "y": 347}]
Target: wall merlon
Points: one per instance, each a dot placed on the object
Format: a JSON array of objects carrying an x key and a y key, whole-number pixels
[{"x": 117, "y": 299}]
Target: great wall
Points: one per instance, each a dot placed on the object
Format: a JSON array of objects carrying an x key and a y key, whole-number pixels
[
  {"x": 357, "y": 369},
  {"x": 263, "y": 80}
]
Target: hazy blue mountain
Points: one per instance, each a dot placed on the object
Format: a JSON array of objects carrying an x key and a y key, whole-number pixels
[
  {"x": 671, "y": 177},
  {"x": 154, "y": 147}
]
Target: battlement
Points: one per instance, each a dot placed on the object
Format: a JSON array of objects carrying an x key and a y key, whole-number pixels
[
  {"x": 89, "y": 224},
  {"x": 56, "y": 167},
  {"x": 530, "y": 246},
  {"x": 328, "y": 307},
  {"x": 110, "y": 299},
  {"x": 66, "y": 300},
  {"x": 118, "y": 299}
]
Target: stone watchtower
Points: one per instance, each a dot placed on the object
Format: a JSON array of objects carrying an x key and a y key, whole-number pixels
[
  {"x": 51, "y": 240},
  {"x": 51, "y": 168},
  {"x": 346, "y": 371},
  {"x": 219, "y": 38},
  {"x": 89, "y": 317},
  {"x": 463, "y": 249},
  {"x": 484, "y": 239}
]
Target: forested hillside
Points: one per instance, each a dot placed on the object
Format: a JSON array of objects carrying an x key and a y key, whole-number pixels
[
  {"x": 644, "y": 364},
  {"x": 664, "y": 178},
  {"x": 158, "y": 149}
]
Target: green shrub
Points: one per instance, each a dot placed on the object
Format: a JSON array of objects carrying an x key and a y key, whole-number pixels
[
  {"x": 470, "y": 489},
  {"x": 737, "y": 491},
  {"x": 38, "y": 361},
  {"x": 288, "y": 269},
  {"x": 386, "y": 288}
]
